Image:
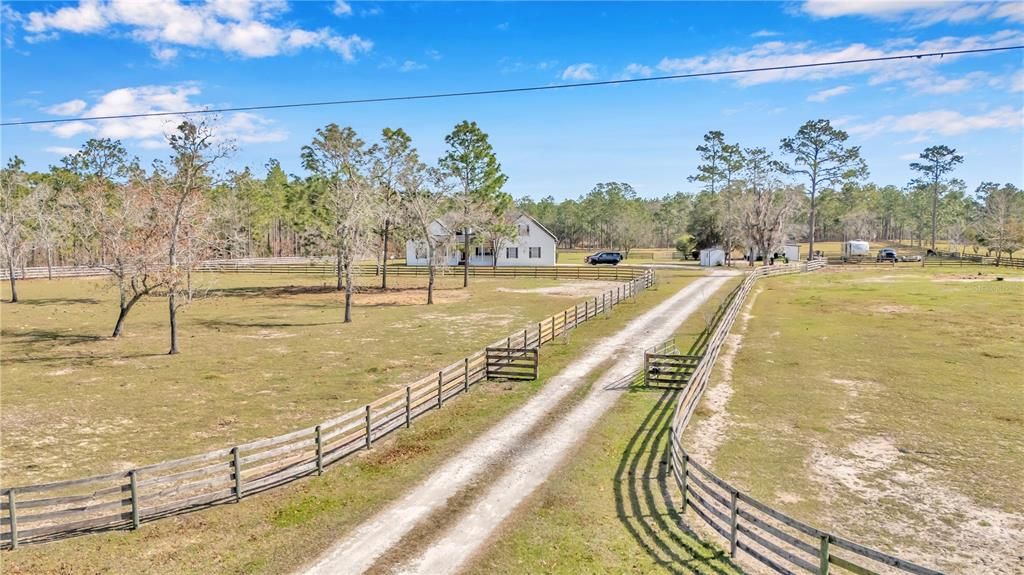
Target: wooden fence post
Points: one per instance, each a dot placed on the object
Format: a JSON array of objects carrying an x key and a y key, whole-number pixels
[
  {"x": 823, "y": 556},
  {"x": 440, "y": 390},
  {"x": 408, "y": 406},
  {"x": 319, "y": 452},
  {"x": 135, "y": 498},
  {"x": 12, "y": 511},
  {"x": 237, "y": 467},
  {"x": 685, "y": 470},
  {"x": 733, "y": 522},
  {"x": 540, "y": 333},
  {"x": 369, "y": 428},
  {"x": 465, "y": 372}
]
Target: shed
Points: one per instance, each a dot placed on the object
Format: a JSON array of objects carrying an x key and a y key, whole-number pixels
[{"x": 711, "y": 257}]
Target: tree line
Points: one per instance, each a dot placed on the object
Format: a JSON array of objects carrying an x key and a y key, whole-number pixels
[
  {"x": 813, "y": 188},
  {"x": 152, "y": 226}
]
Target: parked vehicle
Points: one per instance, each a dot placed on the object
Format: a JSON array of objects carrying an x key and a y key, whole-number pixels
[
  {"x": 887, "y": 255},
  {"x": 910, "y": 258},
  {"x": 855, "y": 250},
  {"x": 612, "y": 258}
]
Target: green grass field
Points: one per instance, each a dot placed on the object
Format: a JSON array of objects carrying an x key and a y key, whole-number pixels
[
  {"x": 886, "y": 406},
  {"x": 261, "y": 355},
  {"x": 280, "y": 530}
]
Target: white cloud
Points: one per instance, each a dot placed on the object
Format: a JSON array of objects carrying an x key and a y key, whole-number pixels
[
  {"x": 776, "y": 53},
  {"x": 164, "y": 54},
  {"x": 504, "y": 26},
  {"x": 637, "y": 71},
  {"x": 942, "y": 123},
  {"x": 341, "y": 8},
  {"x": 579, "y": 72},
  {"x": 1017, "y": 82},
  {"x": 69, "y": 108},
  {"x": 823, "y": 95},
  {"x": 913, "y": 156},
  {"x": 433, "y": 54},
  {"x": 88, "y": 16},
  {"x": 916, "y": 12},
  {"x": 245, "y": 28},
  {"x": 410, "y": 65},
  {"x": 765, "y": 34},
  {"x": 150, "y": 132},
  {"x": 61, "y": 150},
  {"x": 936, "y": 84}
]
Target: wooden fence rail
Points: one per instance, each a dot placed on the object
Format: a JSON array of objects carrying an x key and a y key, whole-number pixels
[
  {"x": 125, "y": 499},
  {"x": 326, "y": 268},
  {"x": 781, "y": 543}
]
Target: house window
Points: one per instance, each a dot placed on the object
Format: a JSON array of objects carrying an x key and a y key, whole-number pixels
[
  {"x": 421, "y": 252},
  {"x": 512, "y": 253},
  {"x": 524, "y": 229},
  {"x": 535, "y": 252},
  {"x": 482, "y": 251}
]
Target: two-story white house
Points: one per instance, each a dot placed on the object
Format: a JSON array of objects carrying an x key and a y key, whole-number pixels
[{"x": 533, "y": 246}]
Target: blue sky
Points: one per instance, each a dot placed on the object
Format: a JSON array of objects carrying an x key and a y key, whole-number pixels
[{"x": 122, "y": 56}]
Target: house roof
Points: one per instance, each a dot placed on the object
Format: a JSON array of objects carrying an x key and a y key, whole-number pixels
[{"x": 539, "y": 225}]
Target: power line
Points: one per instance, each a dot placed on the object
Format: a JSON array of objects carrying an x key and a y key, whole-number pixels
[{"x": 917, "y": 56}]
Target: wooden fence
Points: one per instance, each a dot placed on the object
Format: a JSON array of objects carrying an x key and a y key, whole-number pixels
[
  {"x": 782, "y": 543},
  {"x": 326, "y": 268},
  {"x": 665, "y": 367},
  {"x": 125, "y": 499}
]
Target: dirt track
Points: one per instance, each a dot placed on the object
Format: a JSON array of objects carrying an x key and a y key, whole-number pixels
[{"x": 528, "y": 465}]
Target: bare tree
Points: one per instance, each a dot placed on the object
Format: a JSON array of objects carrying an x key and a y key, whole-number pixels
[
  {"x": 16, "y": 199},
  {"x": 344, "y": 198},
  {"x": 1002, "y": 218},
  {"x": 425, "y": 199},
  {"x": 181, "y": 203},
  {"x": 768, "y": 206}
]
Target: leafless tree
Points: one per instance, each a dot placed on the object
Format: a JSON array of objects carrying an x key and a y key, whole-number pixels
[
  {"x": 426, "y": 195},
  {"x": 181, "y": 203},
  {"x": 768, "y": 206},
  {"x": 16, "y": 200}
]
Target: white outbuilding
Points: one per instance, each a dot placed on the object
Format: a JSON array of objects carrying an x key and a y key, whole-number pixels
[{"x": 711, "y": 257}]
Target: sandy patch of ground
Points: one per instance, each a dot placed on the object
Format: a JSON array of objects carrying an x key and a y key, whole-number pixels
[
  {"x": 964, "y": 537},
  {"x": 268, "y": 334},
  {"x": 709, "y": 433},
  {"x": 417, "y": 296},
  {"x": 57, "y": 372},
  {"x": 569, "y": 289},
  {"x": 892, "y": 308}
]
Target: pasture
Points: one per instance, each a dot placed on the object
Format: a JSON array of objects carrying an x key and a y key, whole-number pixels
[
  {"x": 261, "y": 355},
  {"x": 882, "y": 405},
  {"x": 282, "y": 529}
]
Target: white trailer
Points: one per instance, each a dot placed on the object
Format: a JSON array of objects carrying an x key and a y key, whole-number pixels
[{"x": 855, "y": 250}]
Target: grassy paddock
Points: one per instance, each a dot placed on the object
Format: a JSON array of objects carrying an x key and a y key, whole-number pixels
[
  {"x": 883, "y": 405},
  {"x": 283, "y": 529},
  {"x": 261, "y": 355},
  {"x": 605, "y": 511}
]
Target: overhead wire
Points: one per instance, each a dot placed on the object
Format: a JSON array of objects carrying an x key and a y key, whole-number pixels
[{"x": 517, "y": 90}]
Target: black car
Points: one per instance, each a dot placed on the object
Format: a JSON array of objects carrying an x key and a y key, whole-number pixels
[{"x": 612, "y": 258}]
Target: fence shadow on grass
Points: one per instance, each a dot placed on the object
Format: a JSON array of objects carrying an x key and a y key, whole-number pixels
[{"x": 644, "y": 500}]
